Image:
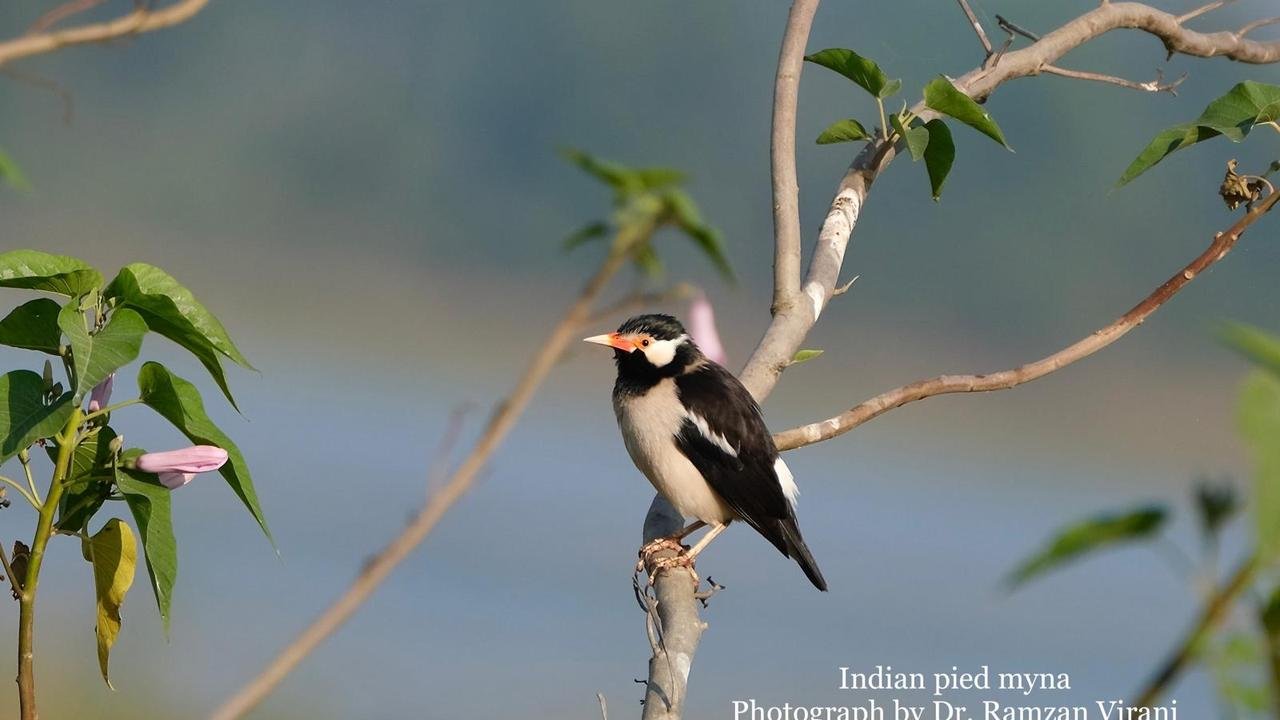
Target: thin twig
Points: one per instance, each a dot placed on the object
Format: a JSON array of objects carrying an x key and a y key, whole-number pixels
[
  {"x": 60, "y": 13},
  {"x": 604, "y": 706},
  {"x": 870, "y": 409},
  {"x": 1210, "y": 7},
  {"x": 1213, "y": 611},
  {"x": 1257, "y": 24},
  {"x": 381, "y": 565},
  {"x": 782, "y": 156},
  {"x": 1154, "y": 86},
  {"x": 142, "y": 19},
  {"x": 14, "y": 583},
  {"x": 1012, "y": 29},
  {"x": 43, "y": 83},
  {"x": 977, "y": 27}
]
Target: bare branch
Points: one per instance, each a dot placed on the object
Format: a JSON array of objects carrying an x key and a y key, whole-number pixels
[
  {"x": 675, "y": 615},
  {"x": 790, "y": 326},
  {"x": 142, "y": 19},
  {"x": 1154, "y": 86},
  {"x": 1257, "y": 24},
  {"x": 977, "y": 27},
  {"x": 421, "y": 525},
  {"x": 604, "y": 706},
  {"x": 1210, "y": 7},
  {"x": 782, "y": 156},
  {"x": 870, "y": 409},
  {"x": 1012, "y": 29}
]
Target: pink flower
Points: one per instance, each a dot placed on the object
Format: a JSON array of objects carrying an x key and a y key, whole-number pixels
[
  {"x": 179, "y": 467},
  {"x": 101, "y": 394},
  {"x": 702, "y": 326}
]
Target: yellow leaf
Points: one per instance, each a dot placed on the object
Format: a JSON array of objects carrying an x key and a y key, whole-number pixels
[{"x": 114, "y": 554}]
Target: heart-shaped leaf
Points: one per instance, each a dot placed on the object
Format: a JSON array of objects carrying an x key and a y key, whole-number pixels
[
  {"x": 939, "y": 155},
  {"x": 862, "y": 71},
  {"x": 944, "y": 97},
  {"x": 33, "y": 326},
  {"x": 178, "y": 401},
  {"x": 35, "y": 270},
  {"x": 95, "y": 356},
  {"x": 24, "y": 416},
  {"x": 848, "y": 130}
]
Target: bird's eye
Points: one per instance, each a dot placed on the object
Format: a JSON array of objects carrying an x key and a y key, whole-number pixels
[{"x": 644, "y": 342}]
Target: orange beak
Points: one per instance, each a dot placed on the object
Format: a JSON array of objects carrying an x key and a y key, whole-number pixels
[{"x": 613, "y": 340}]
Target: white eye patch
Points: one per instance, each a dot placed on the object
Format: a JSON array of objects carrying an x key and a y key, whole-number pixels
[{"x": 661, "y": 352}]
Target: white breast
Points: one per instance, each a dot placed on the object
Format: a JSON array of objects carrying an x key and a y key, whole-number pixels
[{"x": 649, "y": 424}]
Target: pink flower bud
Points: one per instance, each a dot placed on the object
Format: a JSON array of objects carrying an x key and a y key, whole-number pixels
[
  {"x": 702, "y": 326},
  {"x": 177, "y": 467},
  {"x": 101, "y": 394}
]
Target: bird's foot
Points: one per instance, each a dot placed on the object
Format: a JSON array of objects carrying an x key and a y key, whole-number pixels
[
  {"x": 653, "y": 547},
  {"x": 679, "y": 561}
]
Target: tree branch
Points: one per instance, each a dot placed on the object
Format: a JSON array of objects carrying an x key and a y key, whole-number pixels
[
  {"x": 870, "y": 409},
  {"x": 142, "y": 19},
  {"x": 782, "y": 156},
  {"x": 977, "y": 28},
  {"x": 1154, "y": 86},
  {"x": 790, "y": 326},
  {"x": 380, "y": 566}
]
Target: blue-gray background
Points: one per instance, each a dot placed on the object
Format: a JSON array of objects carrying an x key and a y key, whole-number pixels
[{"x": 368, "y": 195}]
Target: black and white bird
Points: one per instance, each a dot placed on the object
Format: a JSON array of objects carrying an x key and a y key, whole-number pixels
[{"x": 699, "y": 437}]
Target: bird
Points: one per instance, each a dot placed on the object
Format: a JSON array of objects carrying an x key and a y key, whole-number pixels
[{"x": 700, "y": 438}]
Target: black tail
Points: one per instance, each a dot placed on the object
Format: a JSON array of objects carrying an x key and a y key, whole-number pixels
[{"x": 798, "y": 551}]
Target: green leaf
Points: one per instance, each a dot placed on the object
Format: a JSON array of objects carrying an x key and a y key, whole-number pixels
[
  {"x": 849, "y": 130},
  {"x": 11, "y": 173},
  {"x": 585, "y": 234},
  {"x": 1270, "y": 616},
  {"x": 114, "y": 554},
  {"x": 689, "y": 219},
  {"x": 88, "y": 481},
  {"x": 942, "y": 96},
  {"x": 656, "y": 178},
  {"x": 149, "y": 501},
  {"x": 171, "y": 310},
  {"x": 24, "y": 417},
  {"x": 96, "y": 356},
  {"x": 1259, "y": 346},
  {"x": 1216, "y": 503},
  {"x": 624, "y": 180},
  {"x": 939, "y": 155},
  {"x": 862, "y": 71},
  {"x": 917, "y": 138},
  {"x": 1233, "y": 115},
  {"x": 179, "y": 402},
  {"x": 805, "y": 356},
  {"x": 1075, "y": 541},
  {"x": 33, "y": 326},
  {"x": 1259, "y": 418},
  {"x": 35, "y": 270}
]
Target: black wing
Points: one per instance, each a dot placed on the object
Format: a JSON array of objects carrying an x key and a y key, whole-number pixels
[{"x": 726, "y": 439}]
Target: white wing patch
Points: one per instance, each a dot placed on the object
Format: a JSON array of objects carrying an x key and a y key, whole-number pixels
[
  {"x": 712, "y": 436},
  {"x": 787, "y": 481}
]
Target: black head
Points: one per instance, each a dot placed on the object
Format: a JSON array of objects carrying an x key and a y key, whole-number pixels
[{"x": 648, "y": 348}]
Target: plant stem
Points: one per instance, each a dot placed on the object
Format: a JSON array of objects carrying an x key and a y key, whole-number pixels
[
  {"x": 884, "y": 122},
  {"x": 111, "y": 408},
  {"x": 23, "y": 491},
  {"x": 24, "y": 457},
  {"x": 27, "y": 608}
]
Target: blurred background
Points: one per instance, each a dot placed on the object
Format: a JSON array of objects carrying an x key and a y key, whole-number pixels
[{"x": 369, "y": 196}]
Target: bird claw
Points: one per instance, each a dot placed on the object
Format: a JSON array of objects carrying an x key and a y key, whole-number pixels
[
  {"x": 664, "y": 563},
  {"x": 653, "y": 547}
]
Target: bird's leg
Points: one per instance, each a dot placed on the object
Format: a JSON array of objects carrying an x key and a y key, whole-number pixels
[
  {"x": 686, "y": 559},
  {"x": 669, "y": 542},
  {"x": 705, "y": 541}
]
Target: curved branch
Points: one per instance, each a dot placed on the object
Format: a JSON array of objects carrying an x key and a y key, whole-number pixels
[
  {"x": 142, "y": 19},
  {"x": 791, "y": 324},
  {"x": 782, "y": 155},
  {"x": 868, "y": 410}
]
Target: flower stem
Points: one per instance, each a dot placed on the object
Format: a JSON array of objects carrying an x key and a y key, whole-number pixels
[
  {"x": 111, "y": 408},
  {"x": 27, "y": 608}
]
